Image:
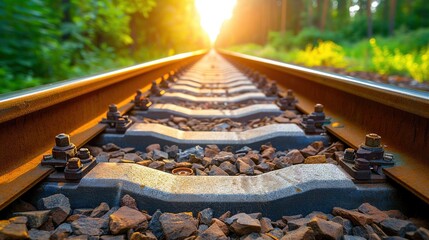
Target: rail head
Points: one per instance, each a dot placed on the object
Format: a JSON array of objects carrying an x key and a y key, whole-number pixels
[
  {"x": 17, "y": 104},
  {"x": 408, "y": 100}
]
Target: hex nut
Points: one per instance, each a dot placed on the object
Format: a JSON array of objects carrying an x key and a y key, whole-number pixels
[
  {"x": 113, "y": 108},
  {"x": 372, "y": 140},
  {"x": 74, "y": 163},
  {"x": 318, "y": 108},
  {"x": 349, "y": 154},
  {"x": 83, "y": 153},
  {"x": 62, "y": 140}
]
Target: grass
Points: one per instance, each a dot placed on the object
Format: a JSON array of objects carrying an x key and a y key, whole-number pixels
[{"x": 404, "y": 55}]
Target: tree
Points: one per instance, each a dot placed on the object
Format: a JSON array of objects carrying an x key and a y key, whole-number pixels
[{"x": 392, "y": 13}]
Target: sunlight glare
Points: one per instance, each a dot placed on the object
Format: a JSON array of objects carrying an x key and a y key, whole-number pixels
[{"x": 212, "y": 15}]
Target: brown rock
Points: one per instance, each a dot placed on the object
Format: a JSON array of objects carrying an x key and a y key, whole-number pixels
[
  {"x": 308, "y": 151},
  {"x": 295, "y": 156},
  {"x": 224, "y": 216},
  {"x": 14, "y": 228},
  {"x": 74, "y": 217},
  {"x": 90, "y": 226},
  {"x": 178, "y": 120},
  {"x": 58, "y": 216},
  {"x": 357, "y": 218},
  {"x": 393, "y": 226},
  {"x": 297, "y": 223},
  {"x": 326, "y": 229},
  {"x": 221, "y": 225},
  {"x": 152, "y": 147},
  {"x": 211, "y": 150},
  {"x": 229, "y": 168},
  {"x": 99, "y": 211},
  {"x": 22, "y": 206},
  {"x": 145, "y": 163},
  {"x": 268, "y": 153},
  {"x": 128, "y": 201},
  {"x": 35, "y": 218},
  {"x": 317, "y": 145},
  {"x": 281, "y": 119},
  {"x": 124, "y": 219},
  {"x": 244, "y": 168},
  {"x": 217, "y": 171},
  {"x": 198, "y": 172},
  {"x": 110, "y": 147},
  {"x": 395, "y": 214},
  {"x": 177, "y": 226},
  {"x": 302, "y": 233},
  {"x": 377, "y": 215},
  {"x": 159, "y": 165},
  {"x": 48, "y": 225},
  {"x": 266, "y": 225},
  {"x": 243, "y": 224},
  {"x": 213, "y": 233},
  {"x": 315, "y": 159},
  {"x": 224, "y": 156},
  {"x": 289, "y": 114},
  {"x": 286, "y": 219},
  {"x": 132, "y": 157}
]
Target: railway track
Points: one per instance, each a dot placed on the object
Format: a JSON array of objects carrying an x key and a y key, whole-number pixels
[{"x": 258, "y": 123}]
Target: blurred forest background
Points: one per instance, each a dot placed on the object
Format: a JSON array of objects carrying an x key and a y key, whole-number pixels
[
  {"x": 43, "y": 41},
  {"x": 385, "y": 37}
]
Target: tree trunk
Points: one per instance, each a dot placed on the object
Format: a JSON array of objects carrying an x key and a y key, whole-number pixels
[
  {"x": 369, "y": 18},
  {"x": 283, "y": 17},
  {"x": 392, "y": 13},
  {"x": 324, "y": 15},
  {"x": 310, "y": 13}
]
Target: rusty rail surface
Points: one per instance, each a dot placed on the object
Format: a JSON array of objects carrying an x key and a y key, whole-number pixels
[
  {"x": 30, "y": 120},
  {"x": 399, "y": 115}
]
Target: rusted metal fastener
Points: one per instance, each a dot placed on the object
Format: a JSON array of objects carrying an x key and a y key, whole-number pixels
[
  {"x": 349, "y": 155},
  {"x": 141, "y": 102},
  {"x": 272, "y": 90},
  {"x": 115, "y": 121},
  {"x": 155, "y": 90},
  {"x": 373, "y": 151},
  {"x": 183, "y": 171},
  {"x": 113, "y": 114},
  {"x": 288, "y": 102},
  {"x": 65, "y": 158},
  {"x": 164, "y": 83},
  {"x": 76, "y": 169},
  {"x": 74, "y": 164},
  {"x": 61, "y": 152},
  {"x": 319, "y": 118},
  {"x": 171, "y": 77},
  {"x": 262, "y": 82},
  {"x": 84, "y": 155}
]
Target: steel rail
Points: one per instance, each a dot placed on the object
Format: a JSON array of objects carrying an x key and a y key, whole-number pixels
[
  {"x": 30, "y": 119},
  {"x": 358, "y": 107}
]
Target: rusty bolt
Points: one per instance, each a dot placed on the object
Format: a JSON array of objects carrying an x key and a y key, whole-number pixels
[
  {"x": 113, "y": 108},
  {"x": 83, "y": 153},
  {"x": 318, "y": 108},
  {"x": 349, "y": 154},
  {"x": 62, "y": 140},
  {"x": 74, "y": 163},
  {"x": 372, "y": 140},
  {"x": 362, "y": 164}
]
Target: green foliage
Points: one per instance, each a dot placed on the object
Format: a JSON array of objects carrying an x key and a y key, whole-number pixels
[
  {"x": 47, "y": 40},
  {"x": 382, "y": 55},
  {"x": 326, "y": 54}
]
